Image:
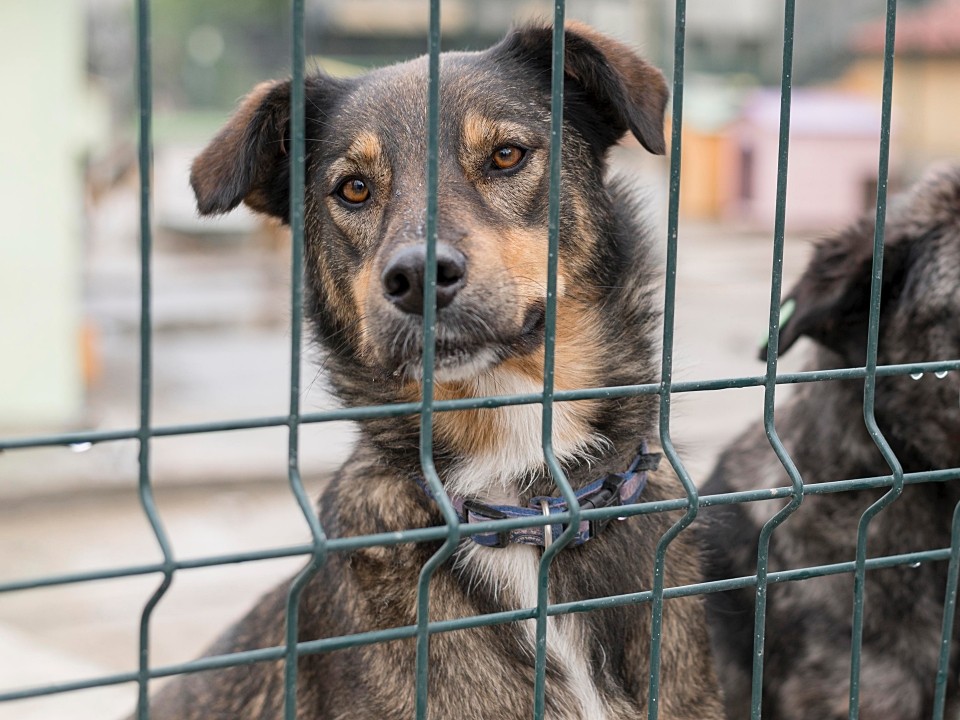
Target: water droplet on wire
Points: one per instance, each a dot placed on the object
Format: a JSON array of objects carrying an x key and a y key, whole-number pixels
[
  {"x": 940, "y": 374},
  {"x": 80, "y": 447},
  {"x": 916, "y": 376}
]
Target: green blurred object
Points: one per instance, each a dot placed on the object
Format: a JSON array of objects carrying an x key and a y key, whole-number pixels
[{"x": 786, "y": 312}]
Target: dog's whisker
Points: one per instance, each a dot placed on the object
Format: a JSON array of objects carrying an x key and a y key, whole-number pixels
[{"x": 331, "y": 351}]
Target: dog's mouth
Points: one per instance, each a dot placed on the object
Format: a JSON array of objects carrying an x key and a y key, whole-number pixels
[
  {"x": 462, "y": 354},
  {"x": 531, "y": 332}
]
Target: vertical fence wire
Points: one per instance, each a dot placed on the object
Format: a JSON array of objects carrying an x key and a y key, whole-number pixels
[
  {"x": 297, "y": 185},
  {"x": 770, "y": 386},
  {"x": 427, "y": 366},
  {"x": 870, "y": 382},
  {"x": 666, "y": 367},
  {"x": 144, "y": 487},
  {"x": 949, "y": 612},
  {"x": 550, "y": 337}
]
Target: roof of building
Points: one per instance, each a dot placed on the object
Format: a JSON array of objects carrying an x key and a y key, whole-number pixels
[{"x": 933, "y": 29}]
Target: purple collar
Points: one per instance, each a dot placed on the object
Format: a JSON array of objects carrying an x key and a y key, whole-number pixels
[{"x": 609, "y": 491}]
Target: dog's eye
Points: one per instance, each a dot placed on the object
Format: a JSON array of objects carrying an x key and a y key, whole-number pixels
[
  {"x": 507, "y": 157},
  {"x": 353, "y": 191}
]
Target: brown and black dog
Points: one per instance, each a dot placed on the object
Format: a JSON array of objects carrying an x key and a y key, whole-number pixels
[
  {"x": 365, "y": 250},
  {"x": 808, "y": 624}
]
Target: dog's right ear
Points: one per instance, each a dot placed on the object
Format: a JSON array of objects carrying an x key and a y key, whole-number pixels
[
  {"x": 831, "y": 301},
  {"x": 248, "y": 161}
]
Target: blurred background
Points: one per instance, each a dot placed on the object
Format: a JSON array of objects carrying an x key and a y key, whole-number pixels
[{"x": 69, "y": 272}]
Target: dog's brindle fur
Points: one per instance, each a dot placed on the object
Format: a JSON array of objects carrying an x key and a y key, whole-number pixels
[
  {"x": 490, "y": 341},
  {"x": 807, "y": 655}
]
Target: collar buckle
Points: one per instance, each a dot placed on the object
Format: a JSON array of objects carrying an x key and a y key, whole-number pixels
[{"x": 607, "y": 495}]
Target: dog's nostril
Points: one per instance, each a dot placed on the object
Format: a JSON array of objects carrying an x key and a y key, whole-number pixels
[
  {"x": 451, "y": 269},
  {"x": 396, "y": 283},
  {"x": 402, "y": 279}
]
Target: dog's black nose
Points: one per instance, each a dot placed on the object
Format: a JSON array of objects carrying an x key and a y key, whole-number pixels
[{"x": 403, "y": 277}]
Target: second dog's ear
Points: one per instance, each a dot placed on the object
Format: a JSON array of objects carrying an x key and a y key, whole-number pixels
[
  {"x": 832, "y": 297},
  {"x": 610, "y": 90},
  {"x": 248, "y": 161}
]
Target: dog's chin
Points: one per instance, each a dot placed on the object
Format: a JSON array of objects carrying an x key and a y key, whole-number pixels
[
  {"x": 456, "y": 362},
  {"x": 451, "y": 367},
  {"x": 460, "y": 368}
]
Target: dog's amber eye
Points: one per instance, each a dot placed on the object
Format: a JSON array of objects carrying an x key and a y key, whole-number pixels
[
  {"x": 353, "y": 191},
  {"x": 507, "y": 157}
]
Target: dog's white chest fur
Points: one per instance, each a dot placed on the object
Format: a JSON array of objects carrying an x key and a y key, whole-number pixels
[
  {"x": 510, "y": 573},
  {"x": 493, "y": 474}
]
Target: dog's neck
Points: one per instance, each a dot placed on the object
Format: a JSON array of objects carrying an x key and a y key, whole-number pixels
[
  {"x": 507, "y": 456},
  {"x": 495, "y": 455}
]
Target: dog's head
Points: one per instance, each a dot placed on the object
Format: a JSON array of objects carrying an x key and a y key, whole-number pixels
[
  {"x": 920, "y": 309},
  {"x": 366, "y": 192}
]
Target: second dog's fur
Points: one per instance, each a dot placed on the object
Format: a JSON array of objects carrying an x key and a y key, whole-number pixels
[
  {"x": 808, "y": 628},
  {"x": 365, "y": 232}
]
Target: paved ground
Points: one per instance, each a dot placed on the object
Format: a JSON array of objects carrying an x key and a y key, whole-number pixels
[{"x": 221, "y": 351}]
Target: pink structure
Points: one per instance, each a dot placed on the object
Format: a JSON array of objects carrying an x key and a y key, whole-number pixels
[{"x": 832, "y": 171}]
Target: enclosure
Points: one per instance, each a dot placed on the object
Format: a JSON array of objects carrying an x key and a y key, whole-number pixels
[{"x": 311, "y": 554}]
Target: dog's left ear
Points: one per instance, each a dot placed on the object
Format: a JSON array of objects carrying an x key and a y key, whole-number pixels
[
  {"x": 609, "y": 91},
  {"x": 831, "y": 301}
]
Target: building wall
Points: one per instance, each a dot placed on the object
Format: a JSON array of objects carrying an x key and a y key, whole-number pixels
[
  {"x": 706, "y": 158},
  {"x": 41, "y": 71},
  {"x": 828, "y": 180},
  {"x": 925, "y": 93}
]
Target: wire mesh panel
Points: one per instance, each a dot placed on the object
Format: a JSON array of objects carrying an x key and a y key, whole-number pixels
[{"x": 320, "y": 546}]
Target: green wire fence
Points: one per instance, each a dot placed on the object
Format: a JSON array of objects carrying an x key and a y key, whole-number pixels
[{"x": 320, "y": 546}]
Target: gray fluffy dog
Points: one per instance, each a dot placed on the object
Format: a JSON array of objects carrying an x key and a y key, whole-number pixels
[{"x": 808, "y": 627}]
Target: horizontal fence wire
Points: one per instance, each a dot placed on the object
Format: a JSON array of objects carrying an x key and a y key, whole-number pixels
[
  {"x": 511, "y": 616},
  {"x": 431, "y": 534},
  {"x": 368, "y": 412},
  {"x": 452, "y": 531}
]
